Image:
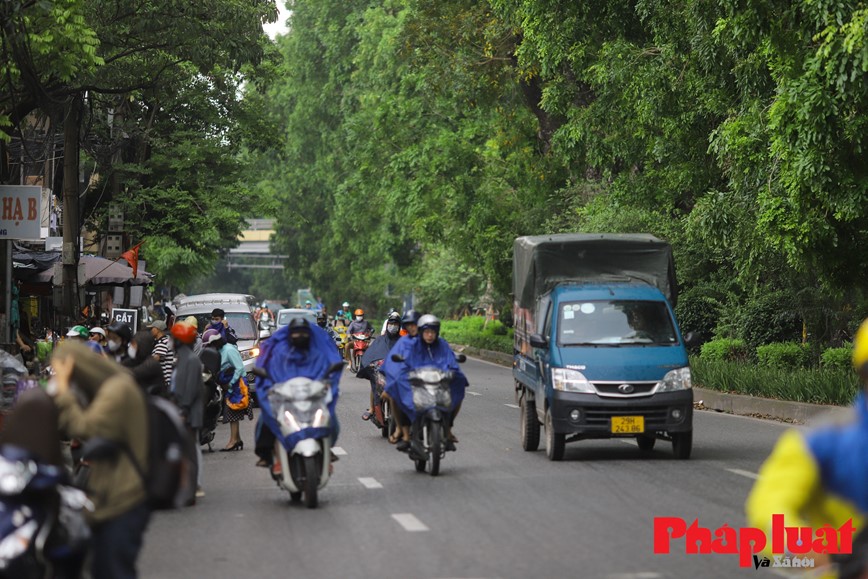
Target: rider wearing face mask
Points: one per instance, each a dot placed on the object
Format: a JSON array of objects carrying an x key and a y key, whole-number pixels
[
  {"x": 118, "y": 336},
  {"x": 298, "y": 349},
  {"x": 376, "y": 352},
  {"x": 359, "y": 325}
]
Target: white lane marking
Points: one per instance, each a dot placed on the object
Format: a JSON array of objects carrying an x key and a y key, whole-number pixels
[
  {"x": 746, "y": 473},
  {"x": 370, "y": 483},
  {"x": 338, "y": 451},
  {"x": 512, "y": 405},
  {"x": 410, "y": 522},
  {"x": 473, "y": 393},
  {"x": 475, "y": 359},
  {"x": 639, "y": 575},
  {"x": 631, "y": 441}
]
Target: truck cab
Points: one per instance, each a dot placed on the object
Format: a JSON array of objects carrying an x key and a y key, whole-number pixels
[{"x": 598, "y": 350}]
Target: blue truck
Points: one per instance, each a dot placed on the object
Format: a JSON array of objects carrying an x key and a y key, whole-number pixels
[{"x": 598, "y": 353}]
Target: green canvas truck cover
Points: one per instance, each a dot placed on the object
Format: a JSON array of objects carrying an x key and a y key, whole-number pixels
[{"x": 542, "y": 261}]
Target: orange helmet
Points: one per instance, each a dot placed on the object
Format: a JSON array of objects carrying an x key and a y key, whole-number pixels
[
  {"x": 184, "y": 333},
  {"x": 359, "y": 312}
]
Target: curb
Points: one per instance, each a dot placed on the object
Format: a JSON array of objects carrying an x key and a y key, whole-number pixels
[{"x": 741, "y": 404}]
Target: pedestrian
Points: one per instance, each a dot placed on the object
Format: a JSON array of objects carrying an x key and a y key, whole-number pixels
[
  {"x": 817, "y": 477},
  {"x": 97, "y": 335},
  {"x": 112, "y": 408},
  {"x": 162, "y": 349},
  {"x": 118, "y": 336},
  {"x": 193, "y": 322},
  {"x": 188, "y": 392},
  {"x": 221, "y": 324},
  {"x": 230, "y": 377},
  {"x": 145, "y": 368}
]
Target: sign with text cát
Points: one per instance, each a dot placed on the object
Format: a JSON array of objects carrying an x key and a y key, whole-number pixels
[
  {"x": 20, "y": 209},
  {"x": 129, "y": 317}
]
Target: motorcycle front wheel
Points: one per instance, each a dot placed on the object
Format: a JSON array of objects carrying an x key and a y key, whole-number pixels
[
  {"x": 311, "y": 482},
  {"x": 435, "y": 446}
]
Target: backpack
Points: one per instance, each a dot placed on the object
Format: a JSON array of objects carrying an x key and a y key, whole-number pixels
[{"x": 171, "y": 449}]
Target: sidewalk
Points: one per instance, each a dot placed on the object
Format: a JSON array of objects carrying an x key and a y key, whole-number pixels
[{"x": 705, "y": 399}]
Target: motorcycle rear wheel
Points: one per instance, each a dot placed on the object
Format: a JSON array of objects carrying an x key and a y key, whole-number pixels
[{"x": 387, "y": 426}]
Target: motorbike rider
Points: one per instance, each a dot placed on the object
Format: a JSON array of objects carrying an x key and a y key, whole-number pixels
[
  {"x": 322, "y": 322},
  {"x": 298, "y": 349},
  {"x": 428, "y": 349},
  {"x": 119, "y": 335},
  {"x": 221, "y": 324},
  {"x": 378, "y": 350},
  {"x": 359, "y": 325},
  {"x": 815, "y": 478},
  {"x": 393, "y": 316}
]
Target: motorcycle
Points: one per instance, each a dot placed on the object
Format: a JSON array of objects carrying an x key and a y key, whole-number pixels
[
  {"x": 213, "y": 396},
  {"x": 300, "y": 407},
  {"x": 432, "y": 399},
  {"x": 43, "y": 532},
  {"x": 383, "y": 418},
  {"x": 360, "y": 344}
]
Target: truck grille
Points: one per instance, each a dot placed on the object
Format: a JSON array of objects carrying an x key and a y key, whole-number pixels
[
  {"x": 602, "y": 416},
  {"x": 614, "y": 390}
]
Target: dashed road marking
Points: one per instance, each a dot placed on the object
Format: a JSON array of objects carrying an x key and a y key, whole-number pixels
[
  {"x": 512, "y": 405},
  {"x": 631, "y": 441},
  {"x": 473, "y": 393},
  {"x": 639, "y": 575},
  {"x": 370, "y": 483},
  {"x": 744, "y": 473},
  {"x": 338, "y": 451},
  {"x": 410, "y": 522}
]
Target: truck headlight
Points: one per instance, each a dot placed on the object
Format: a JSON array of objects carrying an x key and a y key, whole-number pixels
[
  {"x": 676, "y": 380},
  {"x": 567, "y": 380},
  {"x": 249, "y": 354}
]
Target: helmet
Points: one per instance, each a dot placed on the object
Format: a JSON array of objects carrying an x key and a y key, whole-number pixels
[
  {"x": 345, "y": 305},
  {"x": 299, "y": 325},
  {"x": 264, "y": 304},
  {"x": 321, "y": 319},
  {"x": 97, "y": 330},
  {"x": 122, "y": 330},
  {"x": 192, "y": 321},
  {"x": 78, "y": 332},
  {"x": 210, "y": 335},
  {"x": 184, "y": 333},
  {"x": 429, "y": 321},
  {"x": 394, "y": 317},
  {"x": 359, "y": 312},
  {"x": 860, "y": 346},
  {"x": 306, "y": 302},
  {"x": 410, "y": 317}
]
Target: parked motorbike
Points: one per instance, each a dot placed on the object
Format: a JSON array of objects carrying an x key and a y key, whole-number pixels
[
  {"x": 382, "y": 418},
  {"x": 360, "y": 344},
  {"x": 300, "y": 406},
  {"x": 213, "y": 396},
  {"x": 432, "y": 399}
]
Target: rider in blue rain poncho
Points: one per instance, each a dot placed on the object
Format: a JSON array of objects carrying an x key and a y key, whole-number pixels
[
  {"x": 428, "y": 349},
  {"x": 299, "y": 349}
]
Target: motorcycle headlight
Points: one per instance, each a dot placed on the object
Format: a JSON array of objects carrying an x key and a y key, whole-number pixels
[
  {"x": 567, "y": 380},
  {"x": 679, "y": 379}
]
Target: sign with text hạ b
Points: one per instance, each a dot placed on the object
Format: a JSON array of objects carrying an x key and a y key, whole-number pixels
[{"x": 20, "y": 211}]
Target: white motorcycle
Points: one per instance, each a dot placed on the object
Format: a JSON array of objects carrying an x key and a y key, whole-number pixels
[{"x": 300, "y": 405}]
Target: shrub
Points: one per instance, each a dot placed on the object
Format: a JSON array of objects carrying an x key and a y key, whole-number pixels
[
  {"x": 698, "y": 312},
  {"x": 815, "y": 385},
  {"x": 725, "y": 349},
  {"x": 473, "y": 331},
  {"x": 770, "y": 317},
  {"x": 783, "y": 355},
  {"x": 837, "y": 358}
]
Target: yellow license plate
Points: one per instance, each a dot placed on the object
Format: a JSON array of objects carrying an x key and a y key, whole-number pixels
[{"x": 628, "y": 424}]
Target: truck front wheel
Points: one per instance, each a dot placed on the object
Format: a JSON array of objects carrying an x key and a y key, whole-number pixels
[
  {"x": 529, "y": 425},
  {"x": 682, "y": 444},
  {"x": 555, "y": 442}
]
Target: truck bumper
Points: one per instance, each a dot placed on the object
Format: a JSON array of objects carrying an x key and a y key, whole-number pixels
[{"x": 666, "y": 412}]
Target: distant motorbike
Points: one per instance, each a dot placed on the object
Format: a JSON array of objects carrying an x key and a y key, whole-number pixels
[
  {"x": 360, "y": 344},
  {"x": 383, "y": 417},
  {"x": 300, "y": 407},
  {"x": 432, "y": 399}
]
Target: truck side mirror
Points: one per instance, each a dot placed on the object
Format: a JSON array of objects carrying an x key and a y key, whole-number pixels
[
  {"x": 692, "y": 340},
  {"x": 538, "y": 341}
]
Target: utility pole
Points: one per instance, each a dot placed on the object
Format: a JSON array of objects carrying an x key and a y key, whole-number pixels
[{"x": 71, "y": 227}]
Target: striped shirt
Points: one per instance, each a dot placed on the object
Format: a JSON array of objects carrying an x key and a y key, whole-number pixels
[{"x": 165, "y": 355}]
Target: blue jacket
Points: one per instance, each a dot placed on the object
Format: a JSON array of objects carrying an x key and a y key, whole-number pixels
[
  {"x": 418, "y": 354},
  {"x": 282, "y": 362}
]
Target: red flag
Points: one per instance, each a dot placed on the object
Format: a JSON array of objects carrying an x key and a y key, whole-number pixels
[{"x": 132, "y": 257}]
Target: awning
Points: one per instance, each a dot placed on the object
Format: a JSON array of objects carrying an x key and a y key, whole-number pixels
[{"x": 98, "y": 271}]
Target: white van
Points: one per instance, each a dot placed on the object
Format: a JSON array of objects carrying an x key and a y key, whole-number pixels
[{"x": 239, "y": 315}]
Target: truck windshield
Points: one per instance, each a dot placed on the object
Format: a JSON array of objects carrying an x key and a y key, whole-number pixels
[{"x": 615, "y": 323}]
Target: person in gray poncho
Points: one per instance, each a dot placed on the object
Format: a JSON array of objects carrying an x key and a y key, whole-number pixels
[{"x": 188, "y": 391}]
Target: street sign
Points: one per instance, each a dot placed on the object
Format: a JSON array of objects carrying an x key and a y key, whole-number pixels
[
  {"x": 129, "y": 317},
  {"x": 20, "y": 209}
]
